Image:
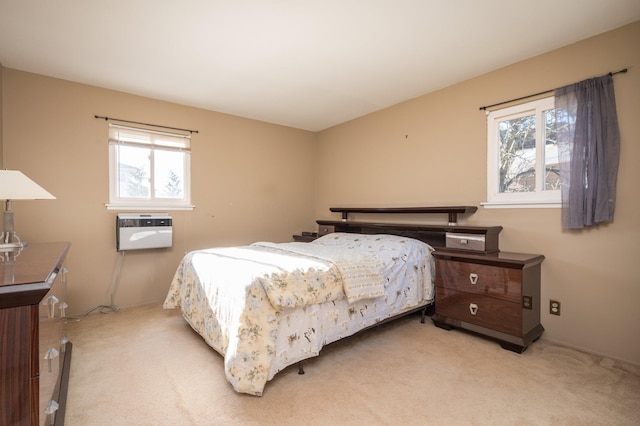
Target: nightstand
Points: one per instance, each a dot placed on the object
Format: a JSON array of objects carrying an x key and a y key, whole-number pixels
[
  {"x": 304, "y": 238},
  {"x": 496, "y": 295}
]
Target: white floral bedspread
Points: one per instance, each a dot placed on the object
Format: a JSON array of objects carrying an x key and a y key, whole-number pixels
[
  {"x": 361, "y": 274},
  {"x": 223, "y": 295}
]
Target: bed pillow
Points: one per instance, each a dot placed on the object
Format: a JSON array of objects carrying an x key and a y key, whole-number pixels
[{"x": 371, "y": 241}]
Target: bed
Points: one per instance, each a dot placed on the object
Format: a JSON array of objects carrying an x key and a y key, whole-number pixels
[{"x": 267, "y": 306}]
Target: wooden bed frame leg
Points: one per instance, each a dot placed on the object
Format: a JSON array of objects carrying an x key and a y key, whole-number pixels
[
  {"x": 424, "y": 314},
  {"x": 300, "y": 368}
]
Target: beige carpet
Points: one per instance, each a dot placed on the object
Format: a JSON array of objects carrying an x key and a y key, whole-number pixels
[{"x": 145, "y": 366}]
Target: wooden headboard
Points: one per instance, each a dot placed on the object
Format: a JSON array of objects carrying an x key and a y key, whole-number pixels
[{"x": 433, "y": 234}]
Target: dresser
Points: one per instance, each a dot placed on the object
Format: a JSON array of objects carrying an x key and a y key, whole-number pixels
[
  {"x": 35, "y": 354},
  {"x": 495, "y": 294}
]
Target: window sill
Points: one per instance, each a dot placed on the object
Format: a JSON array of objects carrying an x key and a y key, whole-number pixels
[
  {"x": 128, "y": 207},
  {"x": 522, "y": 205}
]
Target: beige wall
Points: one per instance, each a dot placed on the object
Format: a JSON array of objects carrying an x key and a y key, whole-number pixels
[
  {"x": 432, "y": 151},
  {"x": 1, "y": 132},
  {"x": 256, "y": 181},
  {"x": 250, "y": 181}
]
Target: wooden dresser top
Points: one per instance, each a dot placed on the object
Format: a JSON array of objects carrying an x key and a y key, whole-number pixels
[{"x": 26, "y": 275}]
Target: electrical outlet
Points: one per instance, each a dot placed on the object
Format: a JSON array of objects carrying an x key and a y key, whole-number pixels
[{"x": 554, "y": 307}]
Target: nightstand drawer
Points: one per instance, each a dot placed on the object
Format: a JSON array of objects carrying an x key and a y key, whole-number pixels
[
  {"x": 471, "y": 242},
  {"x": 502, "y": 283},
  {"x": 489, "y": 312}
]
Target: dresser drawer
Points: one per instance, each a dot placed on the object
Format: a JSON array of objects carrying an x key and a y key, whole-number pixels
[
  {"x": 499, "y": 282},
  {"x": 473, "y": 242},
  {"x": 484, "y": 311},
  {"x": 52, "y": 339},
  {"x": 50, "y": 355},
  {"x": 325, "y": 229}
]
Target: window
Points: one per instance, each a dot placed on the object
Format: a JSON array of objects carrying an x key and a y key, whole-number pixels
[
  {"x": 148, "y": 169},
  {"x": 522, "y": 156}
]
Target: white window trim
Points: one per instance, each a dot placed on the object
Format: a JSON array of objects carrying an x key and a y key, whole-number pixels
[
  {"x": 146, "y": 207},
  {"x": 521, "y": 205},
  {"x": 115, "y": 203},
  {"x": 539, "y": 199}
]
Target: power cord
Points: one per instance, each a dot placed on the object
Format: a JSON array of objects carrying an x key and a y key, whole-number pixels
[
  {"x": 115, "y": 282},
  {"x": 112, "y": 308}
]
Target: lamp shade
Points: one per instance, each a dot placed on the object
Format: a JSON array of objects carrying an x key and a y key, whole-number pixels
[{"x": 14, "y": 185}]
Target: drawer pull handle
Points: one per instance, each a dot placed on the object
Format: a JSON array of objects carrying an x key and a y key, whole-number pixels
[
  {"x": 51, "y": 302},
  {"x": 63, "y": 343},
  {"x": 473, "y": 278},
  {"x": 473, "y": 308},
  {"x": 63, "y": 309},
  {"x": 50, "y": 355},
  {"x": 52, "y": 407}
]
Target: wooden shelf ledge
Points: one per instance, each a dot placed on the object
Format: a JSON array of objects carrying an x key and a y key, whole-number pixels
[{"x": 451, "y": 211}]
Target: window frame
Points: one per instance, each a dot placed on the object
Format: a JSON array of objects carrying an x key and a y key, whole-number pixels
[
  {"x": 541, "y": 198},
  {"x": 178, "y": 142}
]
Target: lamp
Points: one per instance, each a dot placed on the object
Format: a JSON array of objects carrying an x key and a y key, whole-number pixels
[{"x": 16, "y": 186}]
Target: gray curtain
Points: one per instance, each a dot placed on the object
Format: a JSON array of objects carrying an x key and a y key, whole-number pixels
[{"x": 589, "y": 151}]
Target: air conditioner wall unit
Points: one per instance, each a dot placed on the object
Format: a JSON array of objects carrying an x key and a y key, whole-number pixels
[{"x": 139, "y": 231}]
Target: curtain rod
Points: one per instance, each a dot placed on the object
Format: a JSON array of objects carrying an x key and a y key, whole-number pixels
[
  {"x": 144, "y": 124},
  {"x": 484, "y": 108}
]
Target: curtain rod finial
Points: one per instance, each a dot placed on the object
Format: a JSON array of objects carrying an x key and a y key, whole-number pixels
[{"x": 622, "y": 71}]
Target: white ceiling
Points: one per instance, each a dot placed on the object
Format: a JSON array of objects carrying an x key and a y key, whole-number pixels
[{"x": 300, "y": 63}]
